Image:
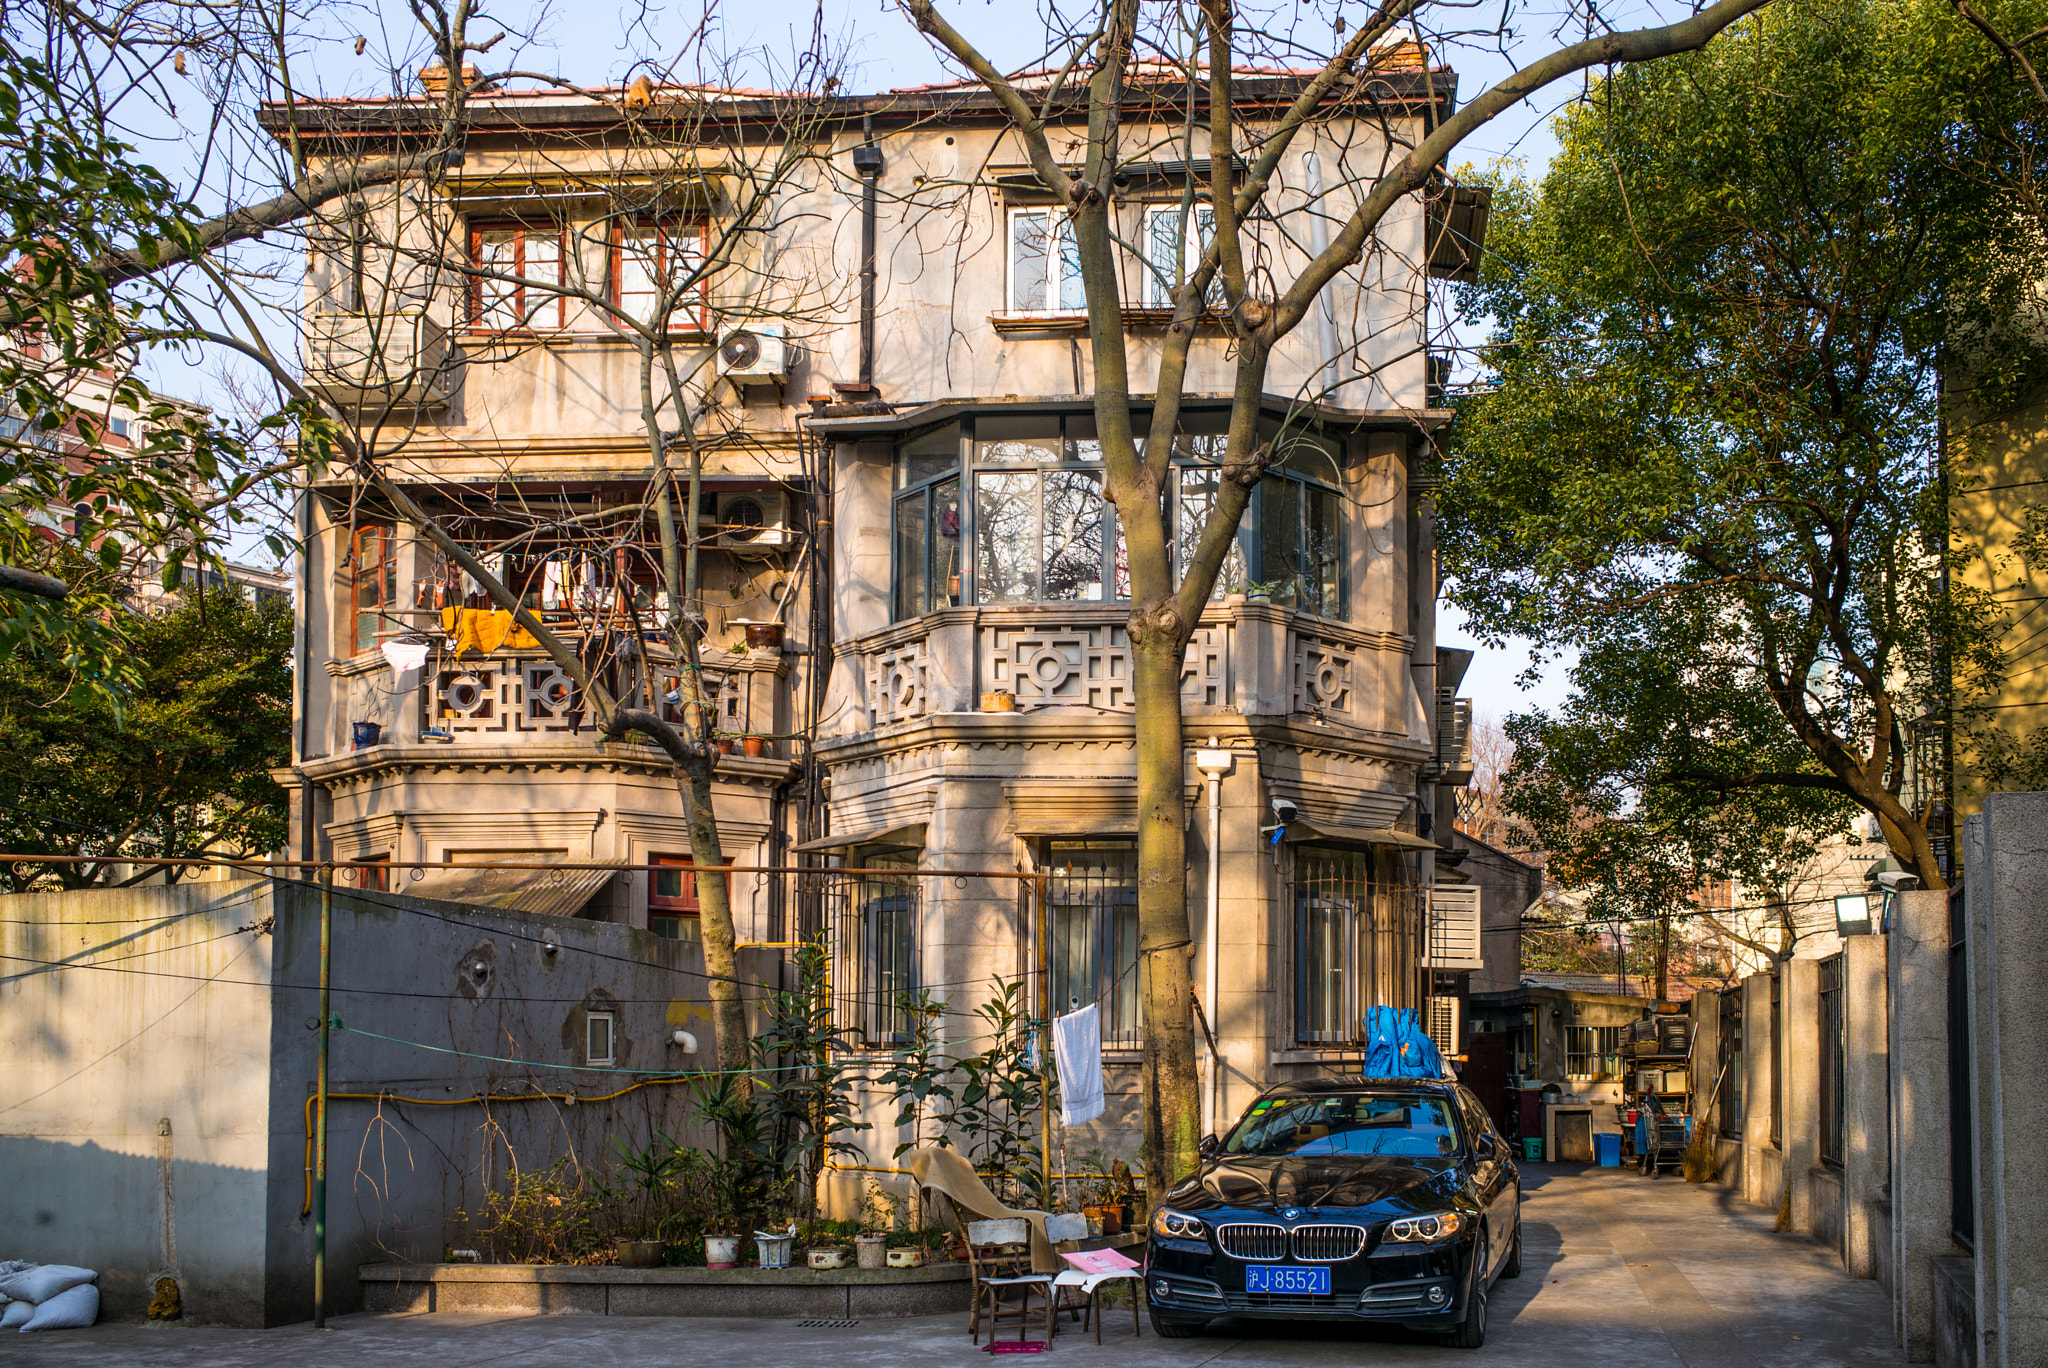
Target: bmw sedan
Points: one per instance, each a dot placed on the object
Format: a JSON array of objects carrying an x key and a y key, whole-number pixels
[{"x": 1390, "y": 1201}]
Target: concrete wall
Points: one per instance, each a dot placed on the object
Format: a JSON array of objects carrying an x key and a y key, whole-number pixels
[
  {"x": 1917, "y": 951},
  {"x": 2006, "y": 854},
  {"x": 1507, "y": 886},
  {"x": 160, "y": 1126}
]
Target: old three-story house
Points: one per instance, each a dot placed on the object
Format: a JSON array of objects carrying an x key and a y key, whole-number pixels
[{"x": 903, "y": 500}]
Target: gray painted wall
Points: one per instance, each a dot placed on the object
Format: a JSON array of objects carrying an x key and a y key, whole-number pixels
[{"x": 198, "y": 1014}]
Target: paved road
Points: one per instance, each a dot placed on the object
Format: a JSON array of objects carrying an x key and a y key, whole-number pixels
[{"x": 1617, "y": 1270}]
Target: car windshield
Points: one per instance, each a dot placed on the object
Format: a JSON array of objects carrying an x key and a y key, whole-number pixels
[{"x": 1414, "y": 1127}]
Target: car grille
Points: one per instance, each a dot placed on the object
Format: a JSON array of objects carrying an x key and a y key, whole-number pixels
[
  {"x": 1253, "y": 1241},
  {"x": 1327, "y": 1243},
  {"x": 1288, "y": 1301}
]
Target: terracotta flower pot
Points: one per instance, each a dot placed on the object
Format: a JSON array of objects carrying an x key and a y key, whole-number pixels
[
  {"x": 757, "y": 746},
  {"x": 724, "y": 744}
]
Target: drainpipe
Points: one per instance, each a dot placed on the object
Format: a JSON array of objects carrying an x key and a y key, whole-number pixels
[
  {"x": 1213, "y": 762},
  {"x": 867, "y": 161},
  {"x": 1326, "y": 307}
]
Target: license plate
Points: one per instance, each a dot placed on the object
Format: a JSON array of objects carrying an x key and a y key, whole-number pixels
[{"x": 1298, "y": 1281}]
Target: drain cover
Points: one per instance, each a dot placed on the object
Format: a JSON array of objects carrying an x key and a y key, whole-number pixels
[{"x": 825, "y": 1324}]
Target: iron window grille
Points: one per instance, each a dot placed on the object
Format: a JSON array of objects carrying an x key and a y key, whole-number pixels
[
  {"x": 1729, "y": 1065},
  {"x": 1833, "y": 1055},
  {"x": 873, "y": 921},
  {"x": 1092, "y": 930},
  {"x": 1594, "y": 1052},
  {"x": 1357, "y": 944}
]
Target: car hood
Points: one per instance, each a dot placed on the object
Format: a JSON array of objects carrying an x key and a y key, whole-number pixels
[{"x": 1316, "y": 1182}]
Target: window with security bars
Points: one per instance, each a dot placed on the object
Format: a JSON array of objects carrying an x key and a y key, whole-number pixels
[
  {"x": 1834, "y": 1043},
  {"x": 1731, "y": 1062},
  {"x": 1593, "y": 1052},
  {"x": 873, "y": 920},
  {"x": 1091, "y": 926},
  {"x": 1357, "y": 944}
]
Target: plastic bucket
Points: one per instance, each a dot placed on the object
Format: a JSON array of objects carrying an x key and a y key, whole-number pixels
[
  {"x": 1532, "y": 1148},
  {"x": 1607, "y": 1150}
]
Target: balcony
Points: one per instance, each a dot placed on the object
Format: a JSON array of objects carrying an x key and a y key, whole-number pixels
[
  {"x": 365, "y": 360},
  {"x": 1253, "y": 659}
]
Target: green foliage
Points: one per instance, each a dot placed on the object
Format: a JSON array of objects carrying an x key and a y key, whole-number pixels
[
  {"x": 918, "y": 1072},
  {"x": 182, "y": 769},
  {"x": 998, "y": 1105},
  {"x": 805, "y": 1097},
  {"x": 1706, "y": 452}
]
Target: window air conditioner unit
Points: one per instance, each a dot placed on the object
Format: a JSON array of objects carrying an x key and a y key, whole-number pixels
[
  {"x": 362, "y": 360},
  {"x": 757, "y": 520},
  {"x": 758, "y": 356},
  {"x": 1452, "y": 935}
]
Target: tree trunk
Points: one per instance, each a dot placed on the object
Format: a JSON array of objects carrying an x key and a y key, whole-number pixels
[
  {"x": 1173, "y": 1114},
  {"x": 714, "y": 913}
]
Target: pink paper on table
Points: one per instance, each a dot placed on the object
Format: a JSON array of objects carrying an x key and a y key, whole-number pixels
[{"x": 1100, "y": 1261}]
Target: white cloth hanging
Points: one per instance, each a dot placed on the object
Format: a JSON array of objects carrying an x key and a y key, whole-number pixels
[
  {"x": 551, "y": 585},
  {"x": 1077, "y": 1045},
  {"x": 405, "y": 656}
]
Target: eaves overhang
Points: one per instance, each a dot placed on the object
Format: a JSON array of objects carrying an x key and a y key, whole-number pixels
[{"x": 924, "y": 414}]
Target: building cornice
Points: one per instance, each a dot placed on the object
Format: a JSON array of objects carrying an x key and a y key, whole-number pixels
[{"x": 565, "y": 757}]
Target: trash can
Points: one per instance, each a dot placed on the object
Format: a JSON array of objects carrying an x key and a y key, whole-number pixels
[
  {"x": 1607, "y": 1150},
  {"x": 1532, "y": 1148}
]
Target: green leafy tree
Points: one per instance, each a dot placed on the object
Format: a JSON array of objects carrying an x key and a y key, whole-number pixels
[
  {"x": 1706, "y": 452},
  {"x": 182, "y": 770}
]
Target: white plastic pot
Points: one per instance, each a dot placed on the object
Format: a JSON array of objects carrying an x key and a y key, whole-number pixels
[{"x": 721, "y": 1251}]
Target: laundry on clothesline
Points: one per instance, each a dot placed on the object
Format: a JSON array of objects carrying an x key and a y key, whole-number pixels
[
  {"x": 1077, "y": 1048},
  {"x": 484, "y": 629}
]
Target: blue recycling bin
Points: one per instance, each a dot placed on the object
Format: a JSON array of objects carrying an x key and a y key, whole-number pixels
[{"x": 1607, "y": 1150}]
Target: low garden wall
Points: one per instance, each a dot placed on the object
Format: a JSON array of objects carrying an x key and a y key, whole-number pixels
[{"x": 574, "y": 1289}]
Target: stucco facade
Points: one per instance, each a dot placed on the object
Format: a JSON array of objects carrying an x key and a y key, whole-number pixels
[{"x": 909, "y": 600}]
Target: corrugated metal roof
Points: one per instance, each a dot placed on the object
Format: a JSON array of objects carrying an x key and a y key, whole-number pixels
[{"x": 550, "y": 892}]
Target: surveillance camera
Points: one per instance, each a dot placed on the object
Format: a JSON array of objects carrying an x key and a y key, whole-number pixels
[
  {"x": 1898, "y": 880},
  {"x": 1283, "y": 811}
]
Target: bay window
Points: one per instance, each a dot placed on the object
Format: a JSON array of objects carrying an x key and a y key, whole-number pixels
[{"x": 1023, "y": 495}]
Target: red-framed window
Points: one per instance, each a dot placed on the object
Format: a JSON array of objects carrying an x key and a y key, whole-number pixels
[
  {"x": 373, "y": 589},
  {"x": 373, "y": 872},
  {"x": 672, "y": 910},
  {"x": 511, "y": 253},
  {"x": 649, "y": 259}
]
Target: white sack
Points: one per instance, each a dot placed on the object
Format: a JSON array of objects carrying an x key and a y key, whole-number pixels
[
  {"x": 16, "y": 1315},
  {"x": 71, "y": 1310},
  {"x": 44, "y": 1281}
]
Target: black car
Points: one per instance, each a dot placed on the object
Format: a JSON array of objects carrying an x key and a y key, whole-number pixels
[{"x": 1377, "y": 1200}]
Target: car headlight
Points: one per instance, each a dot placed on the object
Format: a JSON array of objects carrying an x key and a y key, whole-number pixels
[
  {"x": 1424, "y": 1229},
  {"x": 1169, "y": 1224}
]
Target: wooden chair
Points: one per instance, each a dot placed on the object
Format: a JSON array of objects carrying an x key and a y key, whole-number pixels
[{"x": 999, "y": 1262}]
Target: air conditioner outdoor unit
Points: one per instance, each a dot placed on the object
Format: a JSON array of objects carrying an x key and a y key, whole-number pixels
[
  {"x": 359, "y": 360},
  {"x": 756, "y": 520},
  {"x": 758, "y": 356}
]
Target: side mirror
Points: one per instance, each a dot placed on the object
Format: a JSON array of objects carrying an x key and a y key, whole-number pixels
[{"x": 1209, "y": 1147}]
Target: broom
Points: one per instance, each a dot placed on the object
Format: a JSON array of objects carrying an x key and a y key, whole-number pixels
[{"x": 1701, "y": 1163}]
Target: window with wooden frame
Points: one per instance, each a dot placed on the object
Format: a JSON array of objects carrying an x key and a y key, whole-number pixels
[
  {"x": 373, "y": 872},
  {"x": 673, "y": 912},
  {"x": 518, "y": 263},
  {"x": 650, "y": 262},
  {"x": 1175, "y": 239},
  {"x": 373, "y": 588},
  {"x": 1045, "y": 263}
]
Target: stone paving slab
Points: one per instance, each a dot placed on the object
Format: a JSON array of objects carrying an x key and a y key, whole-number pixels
[{"x": 1618, "y": 1270}]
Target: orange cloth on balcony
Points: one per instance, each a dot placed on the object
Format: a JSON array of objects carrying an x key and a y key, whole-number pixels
[{"x": 487, "y": 629}]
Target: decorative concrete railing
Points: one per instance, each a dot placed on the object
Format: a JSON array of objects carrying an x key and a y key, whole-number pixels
[{"x": 1251, "y": 658}]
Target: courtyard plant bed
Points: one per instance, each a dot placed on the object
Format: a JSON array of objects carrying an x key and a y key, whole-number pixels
[{"x": 609, "y": 1290}]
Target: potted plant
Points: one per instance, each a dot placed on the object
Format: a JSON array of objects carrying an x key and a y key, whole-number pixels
[
  {"x": 756, "y": 746},
  {"x": 871, "y": 1250},
  {"x": 1261, "y": 591},
  {"x": 648, "y": 1172}
]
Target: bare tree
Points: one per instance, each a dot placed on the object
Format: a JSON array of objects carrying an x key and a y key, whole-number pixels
[{"x": 1104, "y": 59}]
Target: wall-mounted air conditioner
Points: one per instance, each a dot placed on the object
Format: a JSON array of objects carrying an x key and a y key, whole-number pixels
[
  {"x": 754, "y": 356},
  {"x": 750, "y": 521}
]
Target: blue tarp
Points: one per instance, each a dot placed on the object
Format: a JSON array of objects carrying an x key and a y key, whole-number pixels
[{"x": 1396, "y": 1046}]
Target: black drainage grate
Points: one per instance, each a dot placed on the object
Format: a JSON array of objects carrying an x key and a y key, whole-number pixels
[{"x": 826, "y": 1324}]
